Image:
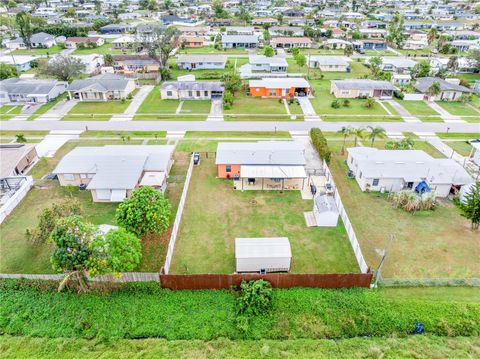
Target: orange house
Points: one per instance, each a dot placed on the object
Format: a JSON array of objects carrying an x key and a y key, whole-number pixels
[
  {"x": 279, "y": 87},
  {"x": 228, "y": 171},
  {"x": 192, "y": 41}
]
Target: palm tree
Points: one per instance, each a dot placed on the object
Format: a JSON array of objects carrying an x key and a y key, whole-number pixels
[
  {"x": 348, "y": 51},
  {"x": 432, "y": 35},
  {"x": 358, "y": 133},
  {"x": 452, "y": 63},
  {"x": 434, "y": 89},
  {"x": 345, "y": 131},
  {"x": 376, "y": 132}
]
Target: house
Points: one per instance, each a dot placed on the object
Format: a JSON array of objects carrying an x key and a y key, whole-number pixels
[
  {"x": 260, "y": 21},
  {"x": 325, "y": 210},
  {"x": 263, "y": 165},
  {"x": 17, "y": 158},
  {"x": 286, "y": 31},
  {"x": 116, "y": 29},
  {"x": 336, "y": 44},
  {"x": 370, "y": 44},
  {"x": 401, "y": 79},
  {"x": 268, "y": 64},
  {"x": 194, "y": 30},
  {"x": 201, "y": 62},
  {"x": 415, "y": 44},
  {"x": 338, "y": 33},
  {"x": 93, "y": 62},
  {"x": 123, "y": 42},
  {"x": 467, "y": 65},
  {"x": 399, "y": 65},
  {"x": 395, "y": 170},
  {"x": 103, "y": 87},
  {"x": 30, "y": 90},
  {"x": 291, "y": 42},
  {"x": 75, "y": 42},
  {"x": 465, "y": 45},
  {"x": 14, "y": 44},
  {"x": 262, "y": 255},
  {"x": 361, "y": 88},
  {"x": 329, "y": 63},
  {"x": 21, "y": 62},
  {"x": 239, "y": 41},
  {"x": 192, "y": 41},
  {"x": 42, "y": 40},
  {"x": 449, "y": 89},
  {"x": 191, "y": 90},
  {"x": 476, "y": 151},
  {"x": 373, "y": 33},
  {"x": 240, "y": 30},
  {"x": 279, "y": 87},
  {"x": 128, "y": 64},
  {"x": 112, "y": 172}
]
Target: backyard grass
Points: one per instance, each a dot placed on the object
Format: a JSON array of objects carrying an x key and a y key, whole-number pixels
[
  {"x": 457, "y": 108},
  {"x": 7, "y": 112},
  {"x": 417, "y": 108},
  {"x": 244, "y": 104},
  {"x": 100, "y": 50},
  {"x": 323, "y": 100},
  {"x": 38, "y": 52},
  {"x": 461, "y": 147},
  {"x": 359, "y": 70},
  {"x": 196, "y": 106},
  {"x": 205, "y": 243},
  {"x": 102, "y": 107},
  {"x": 240, "y": 134},
  {"x": 197, "y": 145},
  {"x": 431, "y": 244},
  {"x": 153, "y": 103}
]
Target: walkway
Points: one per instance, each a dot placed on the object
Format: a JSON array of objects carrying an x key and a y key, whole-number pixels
[
  {"x": 446, "y": 116},
  {"x": 57, "y": 112},
  {"x": 216, "y": 110},
  {"x": 402, "y": 111},
  {"x": 137, "y": 101},
  {"x": 308, "y": 110},
  {"x": 53, "y": 141}
]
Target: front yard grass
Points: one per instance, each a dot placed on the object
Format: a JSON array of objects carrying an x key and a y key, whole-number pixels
[
  {"x": 196, "y": 106},
  {"x": 244, "y": 104},
  {"x": 215, "y": 214},
  {"x": 38, "y": 52},
  {"x": 461, "y": 147},
  {"x": 417, "y": 108},
  {"x": 432, "y": 244},
  {"x": 153, "y": 103},
  {"x": 323, "y": 100},
  {"x": 101, "y": 107},
  {"x": 458, "y": 135},
  {"x": 457, "y": 108},
  {"x": 239, "y": 134}
]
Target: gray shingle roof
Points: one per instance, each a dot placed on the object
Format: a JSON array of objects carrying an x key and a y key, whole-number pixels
[
  {"x": 28, "y": 86},
  {"x": 248, "y": 39},
  {"x": 424, "y": 83},
  {"x": 41, "y": 37},
  {"x": 193, "y": 85},
  {"x": 360, "y": 84},
  {"x": 103, "y": 83}
]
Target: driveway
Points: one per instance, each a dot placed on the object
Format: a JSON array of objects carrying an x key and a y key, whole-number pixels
[
  {"x": 402, "y": 111},
  {"x": 308, "y": 110},
  {"x": 53, "y": 141},
  {"x": 58, "y": 111},
  {"x": 138, "y": 100},
  {"x": 216, "y": 110}
]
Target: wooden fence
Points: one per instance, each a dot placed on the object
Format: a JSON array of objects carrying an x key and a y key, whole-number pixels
[{"x": 279, "y": 280}]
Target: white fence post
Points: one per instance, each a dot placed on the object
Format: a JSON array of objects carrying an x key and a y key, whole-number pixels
[{"x": 178, "y": 218}]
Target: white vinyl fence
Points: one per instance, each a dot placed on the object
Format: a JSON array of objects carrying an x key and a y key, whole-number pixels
[
  {"x": 178, "y": 218},
  {"x": 9, "y": 203},
  {"x": 346, "y": 222}
]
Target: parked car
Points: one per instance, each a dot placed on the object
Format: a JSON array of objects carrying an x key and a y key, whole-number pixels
[{"x": 196, "y": 158}]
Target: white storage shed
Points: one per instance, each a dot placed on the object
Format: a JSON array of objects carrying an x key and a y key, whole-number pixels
[
  {"x": 325, "y": 211},
  {"x": 263, "y": 254}
]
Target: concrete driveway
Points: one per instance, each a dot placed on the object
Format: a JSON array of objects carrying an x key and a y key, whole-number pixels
[
  {"x": 138, "y": 100},
  {"x": 216, "y": 110},
  {"x": 53, "y": 141},
  {"x": 58, "y": 111}
]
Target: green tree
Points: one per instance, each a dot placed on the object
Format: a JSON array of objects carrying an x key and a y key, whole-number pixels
[
  {"x": 218, "y": 9},
  {"x": 71, "y": 12},
  {"x": 228, "y": 100},
  {"x": 231, "y": 81},
  {"x": 348, "y": 50},
  {"x": 146, "y": 211},
  {"x": 244, "y": 14},
  {"x": 301, "y": 60},
  {"x": 64, "y": 68},
  {"x": 7, "y": 71},
  {"x": 11, "y": 4},
  {"x": 266, "y": 35},
  {"x": 20, "y": 138},
  {"x": 358, "y": 133},
  {"x": 470, "y": 207},
  {"x": 345, "y": 132},
  {"x": 108, "y": 59},
  {"x": 295, "y": 51},
  {"x": 396, "y": 34},
  {"x": 375, "y": 63},
  {"x": 268, "y": 51},
  {"x": 434, "y": 89},
  {"x": 24, "y": 26},
  {"x": 432, "y": 35},
  {"x": 376, "y": 132},
  {"x": 421, "y": 69}
]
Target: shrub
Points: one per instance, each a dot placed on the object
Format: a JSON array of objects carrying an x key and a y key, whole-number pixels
[
  {"x": 129, "y": 96},
  {"x": 335, "y": 104},
  {"x": 346, "y": 102},
  {"x": 255, "y": 299},
  {"x": 369, "y": 102},
  {"x": 411, "y": 201},
  {"x": 320, "y": 143},
  {"x": 398, "y": 94}
]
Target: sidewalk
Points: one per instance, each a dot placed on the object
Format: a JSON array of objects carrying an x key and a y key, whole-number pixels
[
  {"x": 402, "y": 111},
  {"x": 446, "y": 116},
  {"x": 137, "y": 101},
  {"x": 308, "y": 110}
]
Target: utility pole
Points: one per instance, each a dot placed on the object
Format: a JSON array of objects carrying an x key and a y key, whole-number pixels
[{"x": 383, "y": 253}]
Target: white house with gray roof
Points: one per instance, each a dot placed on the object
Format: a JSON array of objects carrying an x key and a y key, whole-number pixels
[
  {"x": 101, "y": 88},
  {"x": 113, "y": 172},
  {"x": 191, "y": 90},
  {"x": 263, "y": 165},
  {"x": 201, "y": 62},
  {"x": 328, "y": 63},
  {"x": 239, "y": 41},
  {"x": 263, "y": 63},
  {"x": 450, "y": 89},
  {"x": 395, "y": 170},
  {"x": 361, "y": 88},
  {"x": 16, "y": 90}
]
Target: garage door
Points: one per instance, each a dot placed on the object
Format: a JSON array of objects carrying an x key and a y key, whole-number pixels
[
  {"x": 103, "y": 194},
  {"x": 118, "y": 195}
]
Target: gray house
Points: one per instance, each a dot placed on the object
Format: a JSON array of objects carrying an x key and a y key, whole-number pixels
[
  {"x": 450, "y": 90},
  {"x": 201, "y": 62},
  {"x": 191, "y": 90},
  {"x": 101, "y": 88},
  {"x": 239, "y": 41},
  {"x": 30, "y": 90},
  {"x": 42, "y": 39}
]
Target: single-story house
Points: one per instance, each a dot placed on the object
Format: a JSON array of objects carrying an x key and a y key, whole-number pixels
[
  {"x": 396, "y": 170},
  {"x": 113, "y": 172},
  {"x": 286, "y": 31},
  {"x": 465, "y": 45},
  {"x": 17, "y": 158},
  {"x": 370, "y": 44},
  {"x": 102, "y": 87},
  {"x": 398, "y": 65},
  {"x": 239, "y": 41},
  {"x": 268, "y": 64},
  {"x": 74, "y": 42},
  {"x": 361, "y": 88},
  {"x": 201, "y": 62},
  {"x": 401, "y": 79},
  {"x": 291, "y": 42},
  {"x": 194, "y": 30},
  {"x": 325, "y": 210},
  {"x": 93, "y": 62},
  {"x": 336, "y": 44},
  {"x": 192, "y": 41},
  {"x": 449, "y": 89},
  {"x": 466, "y": 65},
  {"x": 42, "y": 40},
  {"x": 123, "y": 42},
  {"x": 264, "y": 21},
  {"x": 279, "y": 87},
  {"x": 262, "y": 255},
  {"x": 329, "y": 63},
  {"x": 191, "y": 90},
  {"x": 21, "y": 62},
  {"x": 116, "y": 29},
  {"x": 240, "y": 30},
  {"x": 127, "y": 64},
  {"x": 375, "y": 33},
  {"x": 263, "y": 165},
  {"x": 411, "y": 44},
  {"x": 14, "y": 44},
  {"x": 30, "y": 90}
]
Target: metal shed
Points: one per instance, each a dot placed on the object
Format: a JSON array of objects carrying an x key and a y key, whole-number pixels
[{"x": 263, "y": 254}]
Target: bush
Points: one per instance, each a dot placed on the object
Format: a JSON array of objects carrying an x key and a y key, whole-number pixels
[
  {"x": 335, "y": 104},
  {"x": 346, "y": 102},
  {"x": 129, "y": 96},
  {"x": 398, "y": 94},
  {"x": 255, "y": 299},
  {"x": 320, "y": 143},
  {"x": 411, "y": 201}
]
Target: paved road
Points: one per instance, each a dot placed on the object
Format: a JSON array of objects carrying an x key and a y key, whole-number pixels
[{"x": 234, "y": 126}]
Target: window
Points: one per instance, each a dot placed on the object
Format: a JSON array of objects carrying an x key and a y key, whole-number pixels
[
  {"x": 190, "y": 94},
  {"x": 360, "y": 175},
  {"x": 273, "y": 92},
  {"x": 198, "y": 94},
  {"x": 206, "y": 93},
  {"x": 169, "y": 93},
  {"x": 68, "y": 177},
  {"x": 346, "y": 92},
  {"x": 375, "y": 181},
  {"x": 228, "y": 168}
]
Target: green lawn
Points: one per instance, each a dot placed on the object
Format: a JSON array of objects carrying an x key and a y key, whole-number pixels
[
  {"x": 323, "y": 100},
  {"x": 100, "y": 50},
  {"x": 7, "y": 112},
  {"x": 458, "y": 135},
  {"x": 142, "y": 134},
  {"x": 103, "y": 107},
  {"x": 418, "y": 145},
  {"x": 205, "y": 242},
  {"x": 239, "y": 134},
  {"x": 295, "y": 108},
  {"x": 38, "y": 52},
  {"x": 458, "y": 108},
  {"x": 424, "y": 246},
  {"x": 244, "y": 104},
  {"x": 390, "y": 108},
  {"x": 265, "y": 118},
  {"x": 196, "y": 106},
  {"x": 461, "y": 147},
  {"x": 417, "y": 108},
  {"x": 153, "y": 103},
  {"x": 469, "y": 77},
  {"x": 414, "y": 346},
  {"x": 359, "y": 70},
  {"x": 44, "y": 108}
]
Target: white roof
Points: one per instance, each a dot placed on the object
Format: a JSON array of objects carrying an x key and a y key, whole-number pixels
[
  {"x": 258, "y": 171},
  {"x": 284, "y": 83},
  {"x": 274, "y": 247},
  {"x": 153, "y": 179},
  {"x": 17, "y": 59},
  {"x": 262, "y": 59}
]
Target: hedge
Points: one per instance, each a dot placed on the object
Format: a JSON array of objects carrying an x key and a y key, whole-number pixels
[
  {"x": 320, "y": 143},
  {"x": 144, "y": 311}
]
